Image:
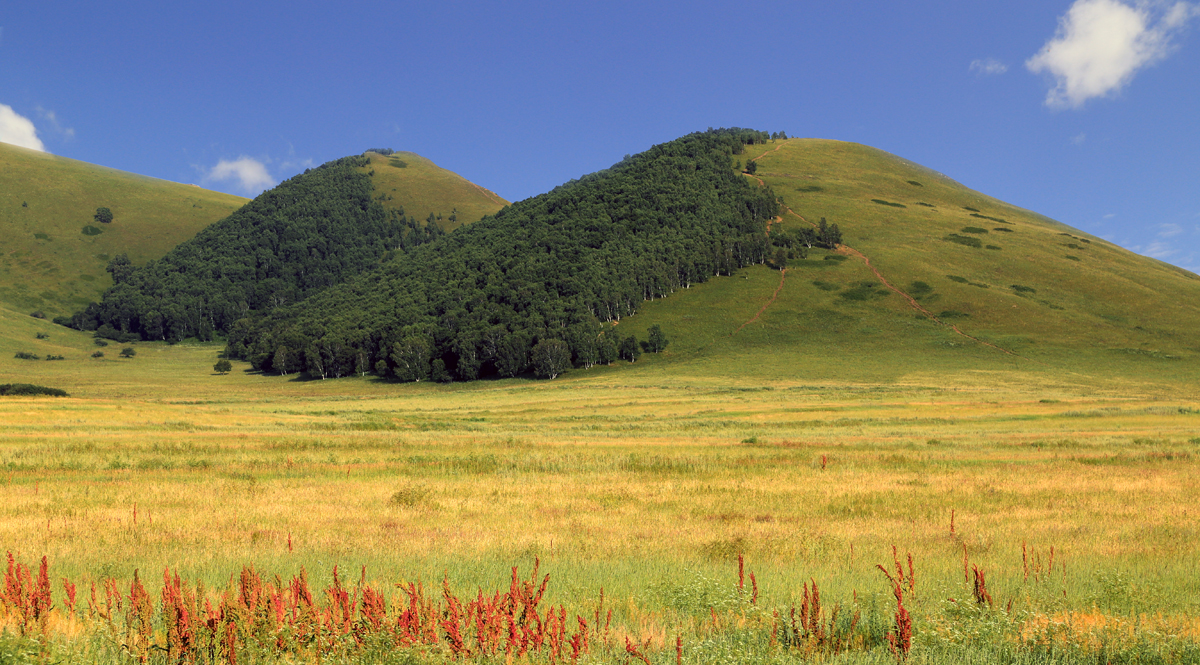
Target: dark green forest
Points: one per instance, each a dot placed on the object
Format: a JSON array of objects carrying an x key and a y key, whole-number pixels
[
  {"x": 543, "y": 273},
  {"x": 315, "y": 276},
  {"x": 309, "y": 233}
]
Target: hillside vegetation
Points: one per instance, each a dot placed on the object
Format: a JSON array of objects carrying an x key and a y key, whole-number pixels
[
  {"x": 533, "y": 284},
  {"x": 1033, "y": 293},
  {"x": 55, "y": 252},
  {"x": 307, "y": 234}
]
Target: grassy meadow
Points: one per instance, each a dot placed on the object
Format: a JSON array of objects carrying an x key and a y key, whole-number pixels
[{"x": 646, "y": 481}]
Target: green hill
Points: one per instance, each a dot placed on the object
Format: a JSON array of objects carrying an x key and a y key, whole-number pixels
[
  {"x": 309, "y": 233},
  {"x": 992, "y": 286},
  {"x": 929, "y": 276},
  {"x": 408, "y": 181},
  {"x": 542, "y": 273},
  {"x": 55, "y": 253}
]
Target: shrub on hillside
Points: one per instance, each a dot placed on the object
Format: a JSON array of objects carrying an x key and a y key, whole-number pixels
[{"x": 29, "y": 390}]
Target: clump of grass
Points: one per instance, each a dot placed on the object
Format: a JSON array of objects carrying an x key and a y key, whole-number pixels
[
  {"x": 864, "y": 291},
  {"x": 919, "y": 289},
  {"x": 90, "y": 230},
  {"x": 952, "y": 314},
  {"x": 30, "y": 390},
  {"x": 835, "y": 257},
  {"x": 1073, "y": 258},
  {"x": 825, "y": 286},
  {"x": 914, "y": 183},
  {"x": 25, "y": 355},
  {"x": 973, "y": 229},
  {"x": 993, "y": 247},
  {"x": 888, "y": 203},
  {"x": 409, "y": 496},
  {"x": 1002, "y": 229},
  {"x": 970, "y": 208},
  {"x": 927, "y": 205},
  {"x": 1022, "y": 289},
  {"x": 810, "y": 189},
  {"x": 956, "y": 278},
  {"x": 991, "y": 219},
  {"x": 964, "y": 240}
]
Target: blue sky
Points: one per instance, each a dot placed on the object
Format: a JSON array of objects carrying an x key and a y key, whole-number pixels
[{"x": 1083, "y": 110}]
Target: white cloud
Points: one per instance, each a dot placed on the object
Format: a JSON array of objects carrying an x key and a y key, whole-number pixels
[
  {"x": 248, "y": 173},
  {"x": 1101, "y": 44},
  {"x": 1110, "y": 215},
  {"x": 18, "y": 130},
  {"x": 988, "y": 66},
  {"x": 1169, "y": 230},
  {"x": 50, "y": 117},
  {"x": 1080, "y": 139}
]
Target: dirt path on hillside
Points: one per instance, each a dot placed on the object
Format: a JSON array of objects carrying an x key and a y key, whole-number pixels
[
  {"x": 768, "y": 152},
  {"x": 846, "y": 250},
  {"x": 782, "y": 278}
]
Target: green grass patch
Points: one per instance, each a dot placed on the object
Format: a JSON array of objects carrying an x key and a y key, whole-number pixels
[
  {"x": 90, "y": 230},
  {"x": 1022, "y": 289},
  {"x": 993, "y": 247},
  {"x": 810, "y": 189},
  {"x": 973, "y": 229},
  {"x": 888, "y": 203},
  {"x": 864, "y": 291},
  {"x": 914, "y": 183},
  {"x": 926, "y": 205},
  {"x": 964, "y": 240},
  {"x": 919, "y": 289},
  {"x": 1003, "y": 229}
]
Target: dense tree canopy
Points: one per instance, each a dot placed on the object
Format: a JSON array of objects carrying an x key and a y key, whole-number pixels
[
  {"x": 564, "y": 266},
  {"x": 309, "y": 233}
]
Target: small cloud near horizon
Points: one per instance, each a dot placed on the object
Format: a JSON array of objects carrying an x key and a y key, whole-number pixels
[
  {"x": 246, "y": 173},
  {"x": 1079, "y": 140},
  {"x": 16, "y": 129},
  {"x": 51, "y": 117},
  {"x": 988, "y": 67},
  {"x": 1101, "y": 44}
]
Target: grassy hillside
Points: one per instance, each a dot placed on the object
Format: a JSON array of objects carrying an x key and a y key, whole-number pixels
[
  {"x": 49, "y": 263},
  {"x": 409, "y": 181},
  {"x": 1039, "y": 291}
]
